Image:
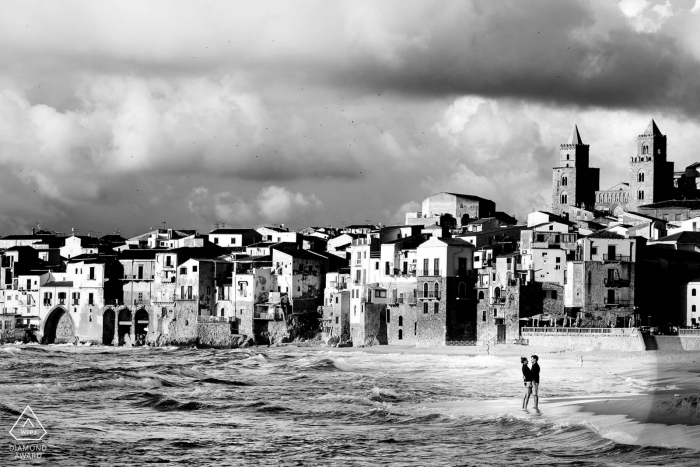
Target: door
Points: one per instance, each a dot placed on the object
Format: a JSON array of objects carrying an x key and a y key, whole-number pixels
[
  {"x": 501, "y": 333},
  {"x": 611, "y": 297},
  {"x": 462, "y": 271},
  {"x": 611, "y": 252}
]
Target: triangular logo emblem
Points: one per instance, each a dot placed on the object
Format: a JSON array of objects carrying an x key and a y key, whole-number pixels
[{"x": 28, "y": 427}]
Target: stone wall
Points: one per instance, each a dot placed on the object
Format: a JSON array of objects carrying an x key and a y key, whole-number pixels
[
  {"x": 177, "y": 326},
  {"x": 402, "y": 317},
  {"x": 432, "y": 326},
  {"x": 373, "y": 325},
  {"x": 216, "y": 335},
  {"x": 587, "y": 342}
]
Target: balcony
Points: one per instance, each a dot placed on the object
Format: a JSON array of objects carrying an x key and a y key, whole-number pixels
[
  {"x": 47, "y": 302},
  {"x": 616, "y": 302},
  {"x": 429, "y": 272},
  {"x": 142, "y": 301},
  {"x": 618, "y": 258},
  {"x": 267, "y": 316},
  {"x": 616, "y": 282},
  {"x": 430, "y": 295},
  {"x": 498, "y": 301},
  {"x": 358, "y": 262}
]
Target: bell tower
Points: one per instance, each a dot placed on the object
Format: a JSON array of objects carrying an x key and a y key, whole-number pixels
[
  {"x": 651, "y": 174},
  {"x": 574, "y": 183}
]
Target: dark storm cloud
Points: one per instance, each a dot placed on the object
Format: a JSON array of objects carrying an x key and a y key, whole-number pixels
[{"x": 130, "y": 112}]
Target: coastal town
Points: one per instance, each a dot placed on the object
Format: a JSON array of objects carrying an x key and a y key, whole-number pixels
[{"x": 615, "y": 262}]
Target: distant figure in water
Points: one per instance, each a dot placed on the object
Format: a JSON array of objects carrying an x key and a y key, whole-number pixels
[
  {"x": 527, "y": 378},
  {"x": 535, "y": 373},
  {"x": 581, "y": 361}
]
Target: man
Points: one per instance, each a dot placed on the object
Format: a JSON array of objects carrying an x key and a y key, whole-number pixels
[{"x": 535, "y": 373}]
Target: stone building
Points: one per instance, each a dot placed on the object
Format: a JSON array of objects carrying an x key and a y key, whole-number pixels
[
  {"x": 600, "y": 283},
  {"x": 462, "y": 208},
  {"x": 505, "y": 294},
  {"x": 445, "y": 282},
  {"x": 574, "y": 182},
  {"x": 336, "y": 306},
  {"x": 651, "y": 176}
]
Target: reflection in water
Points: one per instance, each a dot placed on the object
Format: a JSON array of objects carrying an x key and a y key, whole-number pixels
[{"x": 294, "y": 406}]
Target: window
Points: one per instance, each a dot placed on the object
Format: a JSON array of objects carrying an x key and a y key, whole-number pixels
[
  {"x": 183, "y": 270},
  {"x": 91, "y": 298},
  {"x": 564, "y": 181},
  {"x": 645, "y": 149},
  {"x": 436, "y": 307},
  {"x": 476, "y": 258},
  {"x": 692, "y": 292},
  {"x": 462, "y": 290},
  {"x": 400, "y": 334},
  {"x": 564, "y": 198},
  {"x": 208, "y": 290},
  {"x": 558, "y": 260},
  {"x": 376, "y": 265},
  {"x": 388, "y": 316},
  {"x": 400, "y": 320},
  {"x": 355, "y": 310},
  {"x": 92, "y": 273},
  {"x": 640, "y": 194},
  {"x": 336, "y": 320},
  {"x": 594, "y": 250},
  {"x": 216, "y": 240},
  {"x": 425, "y": 290},
  {"x": 426, "y": 265},
  {"x": 140, "y": 273},
  {"x": 194, "y": 268},
  {"x": 436, "y": 288},
  {"x": 336, "y": 299},
  {"x": 436, "y": 266},
  {"x": 415, "y": 328},
  {"x": 481, "y": 295},
  {"x": 379, "y": 293},
  {"x": 640, "y": 176},
  {"x": 425, "y": 308},
  {"x": 168, "y": 261},
  {"x": 386, "y": 268},
  {"x": 693, "y": 308}
]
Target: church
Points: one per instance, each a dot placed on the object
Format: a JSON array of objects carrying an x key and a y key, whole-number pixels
[{"x": 651, "y": 177}]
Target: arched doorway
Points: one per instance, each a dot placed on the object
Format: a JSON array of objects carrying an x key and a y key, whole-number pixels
[
  {"x": 124, "y": 327},
  {"x": 108, "y": 323},
  {"x": 58, "y": 327},
  {"x": 141, "y": 326}
]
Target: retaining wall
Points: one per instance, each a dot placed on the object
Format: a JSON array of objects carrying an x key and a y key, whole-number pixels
[{"x": 628, "y": 343}]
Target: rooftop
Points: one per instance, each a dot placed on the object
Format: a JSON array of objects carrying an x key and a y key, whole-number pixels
[
  {"x": 59, "y": 284},
  {"x": 607, "y": 234},
  {"x": 682, "y": 238},
  {"x": 230, "y": 231},
  {"x": 674, "y": 203}
]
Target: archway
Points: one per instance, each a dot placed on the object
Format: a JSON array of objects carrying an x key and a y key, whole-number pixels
[
  {"x": 58, "y": 327},
  {"x": 108, "y": 323},
  {"x": 141, "y": 325},
  {"x": 124, "y": 327}
]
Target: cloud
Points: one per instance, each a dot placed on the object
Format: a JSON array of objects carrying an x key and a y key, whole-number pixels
[
  {"x": 271, "y": 205},
  {"x": 119, "y": 116}
]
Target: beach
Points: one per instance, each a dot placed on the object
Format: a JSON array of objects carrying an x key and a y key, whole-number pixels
[{"x": 356, "y": 406}]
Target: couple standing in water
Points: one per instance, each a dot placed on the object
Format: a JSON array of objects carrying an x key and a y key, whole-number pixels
[{"x": 531, "y": 376}]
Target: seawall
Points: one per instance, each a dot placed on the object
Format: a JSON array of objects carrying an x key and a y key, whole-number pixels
[{"x": 629, "y": 341}]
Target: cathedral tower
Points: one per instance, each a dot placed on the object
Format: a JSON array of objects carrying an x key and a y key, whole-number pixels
[
  {"x": 574, "y": 183},
  {"x": 651, "y": 175}
]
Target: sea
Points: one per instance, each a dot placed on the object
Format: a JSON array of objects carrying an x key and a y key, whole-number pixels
[{"x": 302, "y": 406}]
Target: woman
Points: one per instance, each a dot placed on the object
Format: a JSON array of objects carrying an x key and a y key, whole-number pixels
[{"x": 527, "y": 378}]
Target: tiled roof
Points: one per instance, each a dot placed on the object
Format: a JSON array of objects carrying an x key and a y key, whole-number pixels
[
  {"x": 59, "y": 284},
  {"x": 456, "y": 242},
  {"x": 472, "y": 197},
  {"x": 682, "y": 238},
  {"x": 674, "y": 203},
  {"x": 607, "y": 234},
  {"x": 230, "y": 231}
]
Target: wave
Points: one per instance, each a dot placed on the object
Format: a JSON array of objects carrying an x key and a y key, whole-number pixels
[
  {"x": 384, "y": 395},
  {"x": 162, "y": 402},
  {"x": 222, "y": 381}
]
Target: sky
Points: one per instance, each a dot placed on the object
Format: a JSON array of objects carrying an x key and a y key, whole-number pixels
[{"x": 128, "y": 115}]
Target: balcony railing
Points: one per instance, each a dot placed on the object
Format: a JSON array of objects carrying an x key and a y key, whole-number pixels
[
  {"x": 498, "y": 300},
  {"x": 266, "y": 316},
  {"x": 616, "y": 282},
  {"x": 567, "y": 330},
  {"x": 216, "y": 319},
  {"x": 429, "y": 295},
  {"x": 616, "y": 302},
  {"x": 429, "y": 272},
  {"x": 47, "y": 302},
  {"x": 621, "y": 258}
]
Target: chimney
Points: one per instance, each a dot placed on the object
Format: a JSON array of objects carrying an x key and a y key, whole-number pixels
[{"x": 33, "y": 231}]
